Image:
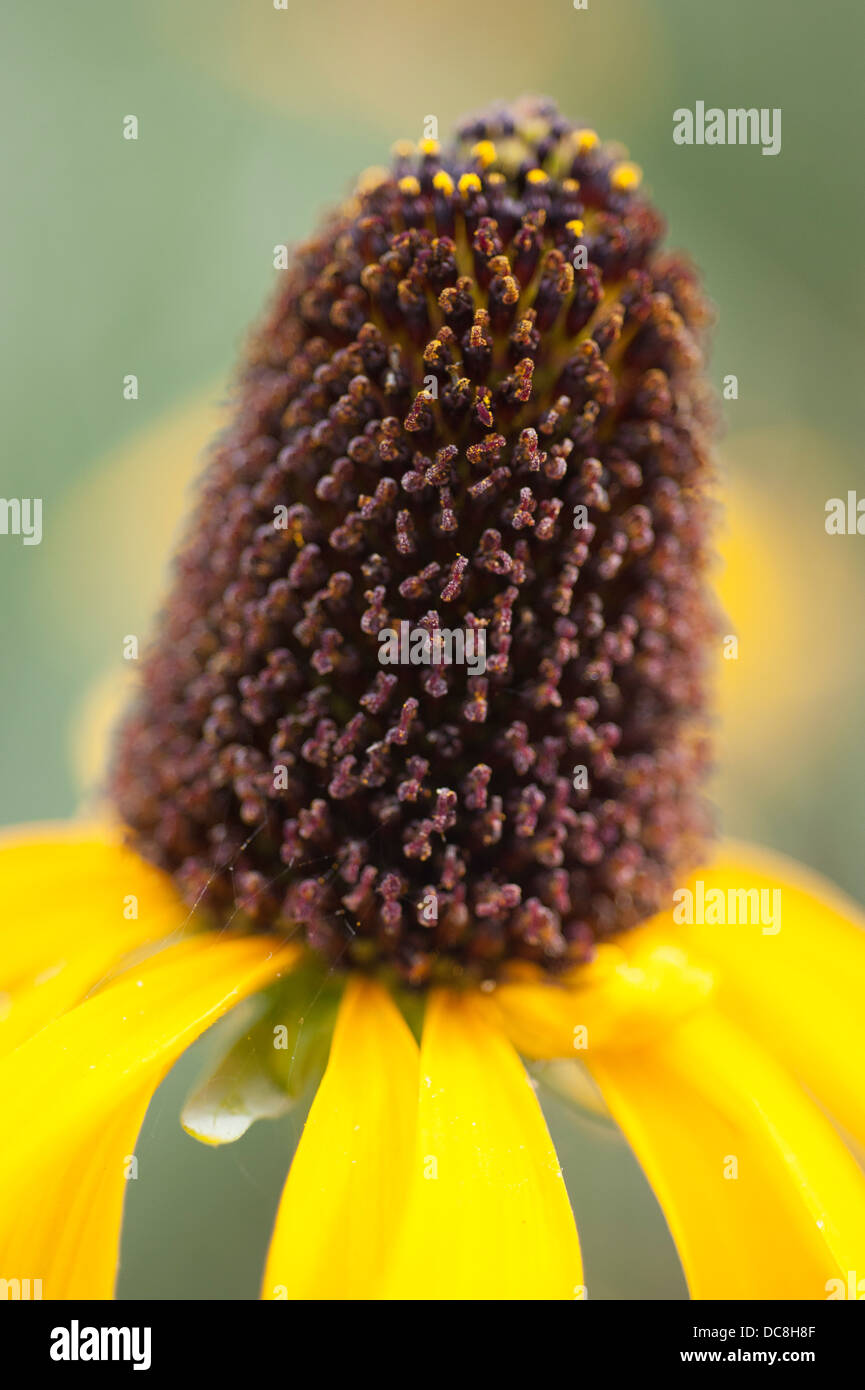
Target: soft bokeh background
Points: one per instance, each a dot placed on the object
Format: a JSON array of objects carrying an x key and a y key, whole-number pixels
[{"x": 151, "y": 257}]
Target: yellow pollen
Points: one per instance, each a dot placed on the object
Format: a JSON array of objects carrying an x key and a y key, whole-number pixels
[
  {"x": 409, "y": 185},
  {"x": 469, "y": 183},
  {"x": 534, "y": 129},
  {"x": 575, "y": 226},
  {"x": 372, "y": 178},
  {"x": 496, "y": 177},
  {"x": 585, "y": 139},
  {"x": 443, "y": 182},
  {"x": 429, "y": 146},
  {"x": 570, "y": 185},
  {"x": 403, "y": 149},
  {"x": 537, "y": 176},
  {"x": 625, "y": 175},
  {"x": 485, "y": 151}
]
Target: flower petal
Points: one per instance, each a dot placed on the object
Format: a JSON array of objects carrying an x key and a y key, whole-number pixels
[
  {"x": 489, "y": 1215},
  {"x": 345, "y": 1191},
  {"x": 73, "y": 1098},
  {"x": 798, "y": 989},
  {"x": 66, "y": 890},
  {"x": 629, "y": 994},
  {"x": 762, "y": 1199}
]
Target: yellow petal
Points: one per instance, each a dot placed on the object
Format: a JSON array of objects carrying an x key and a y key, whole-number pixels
[
  {"x": 66, "y": 891},
  {"x": 798, "y": 989},
  {"x": 73, "y": 1097},
  {"x": 345, "y": 1192},
  {"x": 488, "y": 1213},
  {"x": 628, "y": 995},
  {"x": 762, "y": 1198}
]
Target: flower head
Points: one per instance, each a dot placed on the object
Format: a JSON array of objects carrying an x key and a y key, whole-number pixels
[
  {"x": 475, "y": 405},
  {"x": 475, "y": 408}
]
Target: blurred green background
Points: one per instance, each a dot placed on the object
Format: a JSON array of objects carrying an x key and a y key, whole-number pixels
[{"x": 152, "y": 256}]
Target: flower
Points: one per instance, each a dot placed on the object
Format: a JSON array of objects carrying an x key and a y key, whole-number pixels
[{"x": 475, "y": 408}]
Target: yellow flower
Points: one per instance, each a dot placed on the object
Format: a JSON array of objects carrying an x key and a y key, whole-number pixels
[
  {"x": 480, "y": 391},
  {"x": 428, "y": 1172}
]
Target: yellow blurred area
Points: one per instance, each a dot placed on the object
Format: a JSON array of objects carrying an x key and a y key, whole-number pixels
[
  {"x": 124, "y": 519},
  {"x": 442, "y": 60},
  {"x": 789, "y": 592}
]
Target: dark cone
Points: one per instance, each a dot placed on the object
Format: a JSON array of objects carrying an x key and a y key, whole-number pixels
[{"x": 476, "y": 403}]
